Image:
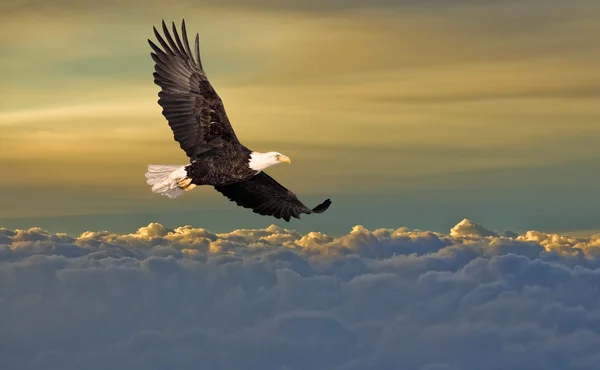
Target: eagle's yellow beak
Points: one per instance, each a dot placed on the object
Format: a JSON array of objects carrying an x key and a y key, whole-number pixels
[{"x": 285, "y": 158}]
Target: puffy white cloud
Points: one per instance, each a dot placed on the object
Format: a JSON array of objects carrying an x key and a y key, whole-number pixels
[
  {"x": 469, "y": 228},
  {"x": 273, "y": 298}
]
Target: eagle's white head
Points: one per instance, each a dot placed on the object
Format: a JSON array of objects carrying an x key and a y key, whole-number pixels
[{"x": 260, "y": 161}]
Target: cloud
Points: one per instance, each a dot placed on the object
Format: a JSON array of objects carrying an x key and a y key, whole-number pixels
[
  {"x": 394, "y": 81},
  {"x": 314, "y": 6},
  {"x": 277, "y": 299},
  {"x": 310, "y": 5}
]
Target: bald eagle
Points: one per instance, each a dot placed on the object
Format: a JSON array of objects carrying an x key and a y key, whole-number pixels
[{"x": 199, "y": 123}]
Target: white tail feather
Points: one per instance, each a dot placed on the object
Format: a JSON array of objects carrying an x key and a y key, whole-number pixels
[{"x": 166, "y": 179}]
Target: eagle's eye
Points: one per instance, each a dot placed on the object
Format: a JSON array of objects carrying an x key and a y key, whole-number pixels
[{"x": 277, "y": 156}]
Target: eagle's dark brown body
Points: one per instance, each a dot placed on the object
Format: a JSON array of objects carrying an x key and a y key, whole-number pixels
[
  {"x": 201, "y": 127},
  {"x": 225, "y": 167}
]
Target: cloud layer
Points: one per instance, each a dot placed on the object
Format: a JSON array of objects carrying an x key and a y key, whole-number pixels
[{"x": 277, "y": 299}]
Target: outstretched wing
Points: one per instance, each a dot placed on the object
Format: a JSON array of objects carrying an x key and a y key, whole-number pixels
[
  {"x": 267, "y": 197},
  {"x": 194, "y": 110}
]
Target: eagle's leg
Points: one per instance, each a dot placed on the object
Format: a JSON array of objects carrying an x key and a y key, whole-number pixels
[{"x": 186, "y": 184}]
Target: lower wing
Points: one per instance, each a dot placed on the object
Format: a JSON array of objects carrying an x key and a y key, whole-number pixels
[{"x": 267, "y": 197}]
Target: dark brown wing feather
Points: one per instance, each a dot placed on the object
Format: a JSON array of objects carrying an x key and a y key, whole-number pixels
[
  {"x": 267, "y": 197},
  {"x": 194, "y": 110}
]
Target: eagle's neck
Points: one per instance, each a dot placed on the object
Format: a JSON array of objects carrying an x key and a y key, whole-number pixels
[{"x": 260, "y": 161}]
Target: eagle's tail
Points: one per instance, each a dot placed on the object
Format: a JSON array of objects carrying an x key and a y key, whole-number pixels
[{"x": 169, "y": 180}]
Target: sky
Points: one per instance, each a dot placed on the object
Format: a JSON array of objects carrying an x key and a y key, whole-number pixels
[{"x": 404, "y": 113}]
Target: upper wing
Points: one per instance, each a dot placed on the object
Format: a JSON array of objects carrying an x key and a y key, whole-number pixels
[
  {"x": 190, "y": 104},
  {"x": 267, "y": 197}
]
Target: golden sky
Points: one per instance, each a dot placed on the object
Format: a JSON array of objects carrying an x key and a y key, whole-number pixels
[{"x": 436, "y": 101}]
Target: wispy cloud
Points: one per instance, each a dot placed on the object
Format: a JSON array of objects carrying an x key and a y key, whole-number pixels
[{"x": 277, "y": 299}]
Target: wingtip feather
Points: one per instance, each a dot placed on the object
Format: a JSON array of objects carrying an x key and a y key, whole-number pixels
[
  {"x": 322, "y": 207},
  {"x": 197, "y": 45}
]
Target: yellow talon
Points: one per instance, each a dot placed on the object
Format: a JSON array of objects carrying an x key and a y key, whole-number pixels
[{"x": 186, "y": 184}]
